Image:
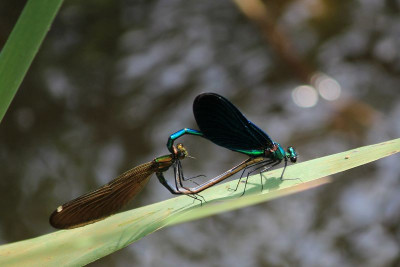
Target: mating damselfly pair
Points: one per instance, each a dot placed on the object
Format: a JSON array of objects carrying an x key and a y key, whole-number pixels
[{"x": 220, "y": 122}]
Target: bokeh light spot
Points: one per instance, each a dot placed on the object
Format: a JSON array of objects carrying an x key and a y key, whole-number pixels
[
  {"x": 328, "y": 88},
  {"x": 305, "y": 96}
]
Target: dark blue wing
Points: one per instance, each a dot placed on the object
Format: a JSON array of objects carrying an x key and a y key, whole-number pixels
[{"x": 222, "y": 123}]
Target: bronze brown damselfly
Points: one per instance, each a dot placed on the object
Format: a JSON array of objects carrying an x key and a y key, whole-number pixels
[{"x": 110, "y": 198}]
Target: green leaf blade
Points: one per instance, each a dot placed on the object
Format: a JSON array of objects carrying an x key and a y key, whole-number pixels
[{"x": 22, "y": 46}]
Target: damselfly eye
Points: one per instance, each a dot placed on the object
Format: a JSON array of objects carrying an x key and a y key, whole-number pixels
[{"x": 292, "y": 154}]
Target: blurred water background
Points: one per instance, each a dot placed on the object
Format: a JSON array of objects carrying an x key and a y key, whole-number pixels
[{"x": 113, "y": 79}]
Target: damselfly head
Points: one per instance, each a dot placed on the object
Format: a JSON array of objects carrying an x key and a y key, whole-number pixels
[
  {"x": 291, "y": 154},
  {"x": 180, "y": 151}
]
